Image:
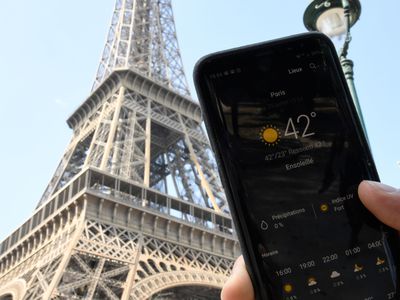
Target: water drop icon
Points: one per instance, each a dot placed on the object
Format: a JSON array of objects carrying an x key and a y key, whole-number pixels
[{"x": 264, "y": 225}]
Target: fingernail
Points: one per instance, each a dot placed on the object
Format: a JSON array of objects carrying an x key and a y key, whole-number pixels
[
  {"x": 237, "y": 265},
  {"x": 382, "y": 187}
]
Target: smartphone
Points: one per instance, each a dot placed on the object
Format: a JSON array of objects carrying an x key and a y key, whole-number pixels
[{"x": 291, "y": 153}]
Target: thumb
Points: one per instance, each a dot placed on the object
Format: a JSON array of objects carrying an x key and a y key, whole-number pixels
[
  {"x": 238, "y": 286},
  {"x": 382, "y": 200}
]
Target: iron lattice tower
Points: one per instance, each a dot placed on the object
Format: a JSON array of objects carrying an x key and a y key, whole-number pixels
[{"x": 135, "y": 209}]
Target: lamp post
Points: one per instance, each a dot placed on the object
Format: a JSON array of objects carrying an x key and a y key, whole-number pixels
[{"x": 335, "y": 18}]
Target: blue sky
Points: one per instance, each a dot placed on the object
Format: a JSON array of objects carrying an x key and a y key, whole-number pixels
[{"x": 50, "y": 51}]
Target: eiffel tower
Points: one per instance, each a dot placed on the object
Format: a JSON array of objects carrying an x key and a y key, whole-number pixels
[{"x": 135, "y": 209}]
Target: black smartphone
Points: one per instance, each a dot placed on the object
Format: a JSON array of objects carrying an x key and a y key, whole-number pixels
[{"x": 291, "y": 153}]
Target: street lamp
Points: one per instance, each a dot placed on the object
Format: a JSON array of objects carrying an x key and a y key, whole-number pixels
[{"x": 335, "y": 18}]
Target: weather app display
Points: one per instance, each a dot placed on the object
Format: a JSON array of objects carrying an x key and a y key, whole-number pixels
[{"x": 297, "y": 157}]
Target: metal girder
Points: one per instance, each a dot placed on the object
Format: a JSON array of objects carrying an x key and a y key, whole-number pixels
[
  {"x": 90, "y": 273},
  {"x": 142, "y": 37}
]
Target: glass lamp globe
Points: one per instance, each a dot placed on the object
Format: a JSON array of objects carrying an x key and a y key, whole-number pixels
[
  {"x": 332, "y": 22},
  {"x": 327, "y": 16}
]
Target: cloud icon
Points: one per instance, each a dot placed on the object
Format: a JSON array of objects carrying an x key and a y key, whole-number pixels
[{"x": 335, "y": 274}]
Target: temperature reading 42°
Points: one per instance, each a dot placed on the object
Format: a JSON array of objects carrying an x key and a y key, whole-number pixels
[{"x": 302, "y": 121}]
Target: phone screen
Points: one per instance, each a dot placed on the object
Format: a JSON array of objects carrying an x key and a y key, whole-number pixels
[{"x": 293, "y": 156}]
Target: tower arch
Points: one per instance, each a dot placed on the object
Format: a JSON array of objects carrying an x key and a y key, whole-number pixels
[
  {"x": 169, "y": 280},
  {"x": 15, "y": 290}
]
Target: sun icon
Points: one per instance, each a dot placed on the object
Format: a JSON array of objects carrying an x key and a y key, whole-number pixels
[{"x": 270, "y": 135}]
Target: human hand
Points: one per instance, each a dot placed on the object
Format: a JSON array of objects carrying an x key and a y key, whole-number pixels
[{"x": 382, "y": 200}]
